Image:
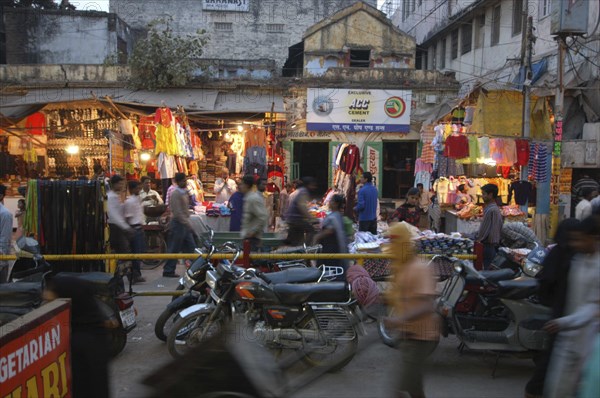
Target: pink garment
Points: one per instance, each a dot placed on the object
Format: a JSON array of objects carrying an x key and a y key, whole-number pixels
[
  {"x": 363, "y": 286},
  {"x": 420, "y": 165}
]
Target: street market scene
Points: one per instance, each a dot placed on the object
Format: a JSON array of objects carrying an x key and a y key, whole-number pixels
[{"x": 341, "y": 198}]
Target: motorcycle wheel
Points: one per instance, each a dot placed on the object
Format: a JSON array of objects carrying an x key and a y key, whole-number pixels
[
  {"x": 118, "y": 340},
  {"x": 165, "y": 323},
  {"x": 187, "y": 333},
  {"x": 334, "y": 355},
  {"x": 388, "y": 336}
]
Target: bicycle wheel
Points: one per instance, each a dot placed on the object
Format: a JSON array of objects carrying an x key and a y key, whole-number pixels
[{"x": 155, "y": 244}]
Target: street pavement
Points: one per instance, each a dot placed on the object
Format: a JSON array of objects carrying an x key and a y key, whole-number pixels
[{"x": 369, "y": 375}]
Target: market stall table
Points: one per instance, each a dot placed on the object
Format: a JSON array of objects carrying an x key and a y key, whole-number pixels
[{"x": 457, "y": 224}]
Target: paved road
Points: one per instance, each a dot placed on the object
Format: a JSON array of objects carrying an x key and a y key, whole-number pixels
[{"x": 368, "y": 375}]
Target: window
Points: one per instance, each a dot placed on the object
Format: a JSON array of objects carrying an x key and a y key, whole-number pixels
[
  {"x": 479, "y": 30},
  {"x": 433, "y": 58},
  {"x": 545, "y": 8},
  {"x": 413, "y": 5},
  {"x": 466, "y": 37},
  {"x": 360, "y": 58},
  {"x": 405, "y": 5},
  {"x": 517, "y": 17},
  {"x": 224, "y": 26},
  {"x": 275, "y": 27},
  {"x": 443, "y": 54},
  {"x": 495, "y": 38},
  {"x": 454, "y": 44}
]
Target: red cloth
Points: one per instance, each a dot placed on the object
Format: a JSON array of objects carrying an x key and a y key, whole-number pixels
[
  {"x": 36, "y": 124},
  {"x": 350, "y": 159},
  {"x": 147, "y": 129},
  {"x": 163, "y": 116},
  {"x": 522, "y": 152},
  {"x": 457, "y": 147}
]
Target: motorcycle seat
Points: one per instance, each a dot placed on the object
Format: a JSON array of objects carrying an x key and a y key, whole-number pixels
[
  {"x": 518, "y": 288},
  {"x": 493, "y": 276},
  {"x": 21, "y": 294},
  {"x": 294, "y": 275},
  {"x": 102, "y": 281},
  {"x": 330, "y": 292}
]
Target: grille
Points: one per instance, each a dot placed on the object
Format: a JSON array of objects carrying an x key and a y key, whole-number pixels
[{"x": 334, "y": 322}]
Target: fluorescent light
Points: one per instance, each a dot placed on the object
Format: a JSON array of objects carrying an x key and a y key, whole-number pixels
[{"x": 72, "y": 149}]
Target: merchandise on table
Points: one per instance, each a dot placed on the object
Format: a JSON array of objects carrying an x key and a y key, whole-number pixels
[
  {"x": 431, "y": 243},
  {"x": 470, "y": 211}
]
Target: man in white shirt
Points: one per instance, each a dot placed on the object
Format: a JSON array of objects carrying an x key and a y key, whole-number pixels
[
  {"x": 134, "y": 214},
  {"x": 120, "y": 231},
  {"x": 148, "y": 196},
  {"x": 584, "y": 208},
  {"x": 6, "y": 229},
  {"x": 224, "y": 187}
]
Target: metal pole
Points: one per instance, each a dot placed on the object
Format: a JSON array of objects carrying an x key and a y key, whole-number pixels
[
  {"x": 527, "y": 90},
  {"x": 557, "y": 139}
]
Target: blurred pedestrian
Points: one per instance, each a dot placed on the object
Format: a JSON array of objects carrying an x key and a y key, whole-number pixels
[
  {"x": 236, "y": 205},
  {"x": 409, "y": 211},
  {"x": 120, "y": 231},
  {"x": 134, "y": 215},
  {"x": 6, "y": 226},
  {"x": 366, "y": 205},
  {"x": 19, "y": 215},
  {"x": 553, "y": 279},
  {"x": 411, "y": 296},
  {"x": 284, "y": 199},
  {"x": 577, "y": 329},
  {"x": 332, "y": 236},
  {"x": 424, "y": 203},
  {"x": 584, "y": 208},
  {"x": 490, "y": 229},
  {"x": 254, "y": 216},
  {"x": 181, "y": 235},
  {"x": 90, "y": 345},
  {"x": 300, "y": 221}
]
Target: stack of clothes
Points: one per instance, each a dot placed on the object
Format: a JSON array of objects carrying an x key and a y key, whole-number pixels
[{"x": 430, "y": 243}]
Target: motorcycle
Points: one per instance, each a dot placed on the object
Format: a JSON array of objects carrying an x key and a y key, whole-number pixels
[
  {"x": 514, "y": 325},
  {"x": 317, "y": 319},
  {"x": 193, "y": 280},
  {"x": 24, "y": 292}
]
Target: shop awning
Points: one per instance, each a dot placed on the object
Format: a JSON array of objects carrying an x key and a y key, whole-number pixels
[{"x": 200, "y": 100}]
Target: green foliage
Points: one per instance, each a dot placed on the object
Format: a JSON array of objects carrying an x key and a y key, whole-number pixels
[{"x": 163, "y": 58}]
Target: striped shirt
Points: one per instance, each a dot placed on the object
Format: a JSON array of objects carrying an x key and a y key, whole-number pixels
[{"x": 490, "y": 230}]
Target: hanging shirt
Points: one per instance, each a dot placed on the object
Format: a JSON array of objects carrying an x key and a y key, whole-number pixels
[
  {"x": 484, "y": 147},
  {"x": 522, "y": 147},
  {"x": 457, "y": 147},
  {"x": 473, "y": 149},
  {"x": 36, "y": 124},
  {"x": 521, "y": 191}
]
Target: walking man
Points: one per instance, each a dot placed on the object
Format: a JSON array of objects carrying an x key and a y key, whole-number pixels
[
  {"x": 181, "y": 236},
  {"x": 367, "y": 205},
  {"x": 254, "y": 216},
  {"x": 6, "y": 226},
  {"x": 490, "y": 230},
  {"x": 134, "y": 215},
  {"x": 120, "y": 231}
]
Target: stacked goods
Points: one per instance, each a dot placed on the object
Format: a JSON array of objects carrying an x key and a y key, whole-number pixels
[
  {"x": 443, "y": 244},
  {"x": 470, "y": 211}
]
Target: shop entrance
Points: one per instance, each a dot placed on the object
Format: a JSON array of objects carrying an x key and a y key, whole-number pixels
[
  {"x": 312, "y": 159},
  {"x": 398, "y": 168}
]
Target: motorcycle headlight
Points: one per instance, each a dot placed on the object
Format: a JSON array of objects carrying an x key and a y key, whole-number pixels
[
  {"x": 531, "y": 269},
  {"x": 458, "y": 268},
  {"x": 211, "y": 279}
]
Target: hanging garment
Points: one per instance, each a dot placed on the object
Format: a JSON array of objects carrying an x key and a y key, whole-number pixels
[
  {"x": 146, "y": 131},
  {"x": 510, "y": 152},
  {"x": 538, "y": 162},
  {"x": 423, "y": 177},
  {"x": 255, "y": 137},
  {"x": 350, "y": 161},
  {"x": 441, "y": 187},
  {"x": 125, "y": 126},
  {"x": 456, "y": 147},
  {"x": 473, "y": 149},
  {"x": 422, "y": 166},
  {"x": 165, "y": 132},
  {"x": 166, "y": 166},
  {"x": 522, "y": 152},
  {"x": 484, "y": 147},
  {"x": 35, "y": 124},
  {"x": 521, "y": 190}
]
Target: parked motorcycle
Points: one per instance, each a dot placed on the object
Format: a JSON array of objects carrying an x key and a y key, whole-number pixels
[
  {"x": 193, "y": 280},
  {"x": 24, "y": 292},
  {"x": 318, "y": 319},
  {"x": 515, "y": 325}
]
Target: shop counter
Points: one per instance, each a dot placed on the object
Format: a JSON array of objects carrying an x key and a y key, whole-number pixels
[{"x": 457, "y": 224}]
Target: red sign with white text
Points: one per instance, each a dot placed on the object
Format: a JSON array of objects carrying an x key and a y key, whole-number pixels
[{"x": 35, "y": 357}]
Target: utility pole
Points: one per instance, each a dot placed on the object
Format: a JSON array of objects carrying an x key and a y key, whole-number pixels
[
  {"x": 526, "y": 55},
  {"x": 557, "y": 139}
]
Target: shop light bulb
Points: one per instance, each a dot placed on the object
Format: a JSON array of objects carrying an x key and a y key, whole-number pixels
[
  {"x": 240, "y": 128},
  {"x": 145, "y": 156},
  {"x": 72, "y": 149}
]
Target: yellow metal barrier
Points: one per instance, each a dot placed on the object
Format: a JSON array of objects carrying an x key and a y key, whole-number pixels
[{"x": 221, "y": 256}]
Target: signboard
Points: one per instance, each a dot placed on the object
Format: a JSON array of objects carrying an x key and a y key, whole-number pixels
[
  {"x": 373, "y": 162},
  {"x": 358, "y": 110},
  {"x": 35, "y": 358},
  {"x": 226, "y": 5}
]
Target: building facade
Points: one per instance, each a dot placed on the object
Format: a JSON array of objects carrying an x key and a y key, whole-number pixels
[{"x": 246, "y": 30}]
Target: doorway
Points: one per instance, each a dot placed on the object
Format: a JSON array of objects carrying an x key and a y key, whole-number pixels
[
  {"x": 312, "y": 159},
  {"x": 398, "y": 168}
]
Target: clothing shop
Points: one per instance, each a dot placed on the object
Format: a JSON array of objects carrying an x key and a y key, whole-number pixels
[
  {"x": 135, "y": 135},
  {"x": 346, "y": 132},
  {"x": 475, "y": 145}
]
